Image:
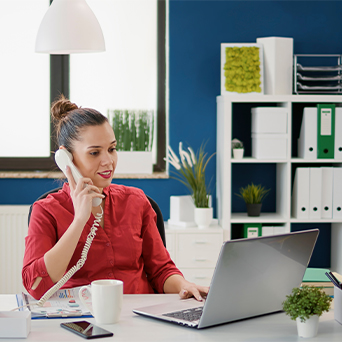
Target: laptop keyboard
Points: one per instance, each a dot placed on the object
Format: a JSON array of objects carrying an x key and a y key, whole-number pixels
[{"x": 186, "y": 315}]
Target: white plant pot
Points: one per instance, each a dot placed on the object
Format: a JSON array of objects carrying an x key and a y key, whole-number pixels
[
  {"x": 238, "y": 153},
  {"x": 308, "y": 328},
  {"x": 130, "y": 162},
  {"x": 203, "y": 217}
]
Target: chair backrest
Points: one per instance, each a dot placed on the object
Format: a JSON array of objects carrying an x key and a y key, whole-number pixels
[
  {"x": 39, "y": 198},
  {"x": 160, "y": 220}
]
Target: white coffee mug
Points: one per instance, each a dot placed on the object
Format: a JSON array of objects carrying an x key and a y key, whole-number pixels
[{"x": 106, "y": 300}]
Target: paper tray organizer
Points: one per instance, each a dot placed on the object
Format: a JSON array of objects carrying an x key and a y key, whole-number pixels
[{"x": 317, "y": 74}]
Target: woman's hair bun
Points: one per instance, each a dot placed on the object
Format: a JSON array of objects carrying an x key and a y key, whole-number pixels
[{"x": 61, "y": 107}]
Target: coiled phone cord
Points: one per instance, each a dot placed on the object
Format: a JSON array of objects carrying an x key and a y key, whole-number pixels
[{"x": 79, "y": 263}]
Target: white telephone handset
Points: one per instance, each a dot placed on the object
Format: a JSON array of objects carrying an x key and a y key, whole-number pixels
[{"x": 63, "y": 159}]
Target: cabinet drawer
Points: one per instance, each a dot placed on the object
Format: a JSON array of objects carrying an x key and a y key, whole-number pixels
[
  {"x": 198, "y": 250},
  {"x": 198, "y": 276}
]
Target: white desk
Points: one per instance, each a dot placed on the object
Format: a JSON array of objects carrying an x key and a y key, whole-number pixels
[{"x": 270, "y": 328}]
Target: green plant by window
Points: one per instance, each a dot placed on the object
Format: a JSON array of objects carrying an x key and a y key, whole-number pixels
[
  {"x": 253, "y": 193},
  {"x": 242, "y": 69},
  {"x": 133, "y": 129},
  {"x": 305, "y": 302},
  {"x": 191, "y": 172}
]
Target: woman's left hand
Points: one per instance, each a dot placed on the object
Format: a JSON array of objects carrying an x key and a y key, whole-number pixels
[{"x": 192, "y": 290}]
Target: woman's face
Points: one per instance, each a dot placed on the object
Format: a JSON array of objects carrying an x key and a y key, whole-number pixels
[{"x": 95, "y": 154}]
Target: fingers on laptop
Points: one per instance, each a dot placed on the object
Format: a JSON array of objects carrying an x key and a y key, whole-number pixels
[
  {"x": 184, "y": 294},
  {"x": 195, "y": 291}
]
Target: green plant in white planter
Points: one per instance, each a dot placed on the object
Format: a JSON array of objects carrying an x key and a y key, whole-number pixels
[
  {"x": 191, "y": 172},
  {"x": 134, "y": 132},
  {"x": 238, "y": 149},
  {"x": 306, "y": 305},
  {"x": 253, "y": 196}
]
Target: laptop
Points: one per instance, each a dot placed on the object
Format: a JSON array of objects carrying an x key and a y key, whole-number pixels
[{"x": 252, "y": 278}]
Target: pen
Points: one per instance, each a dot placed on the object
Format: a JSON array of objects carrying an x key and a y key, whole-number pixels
[{"x": 335, "y": 282}]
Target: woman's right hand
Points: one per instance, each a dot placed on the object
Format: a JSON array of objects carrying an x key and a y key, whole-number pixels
[{"x": 82, "y": 195}]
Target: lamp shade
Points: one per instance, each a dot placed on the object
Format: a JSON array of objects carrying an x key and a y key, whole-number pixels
[{"x": 69, "y": 26}]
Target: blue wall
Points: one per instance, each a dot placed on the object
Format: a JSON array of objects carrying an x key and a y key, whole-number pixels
[{"x": 196, "y": 30}]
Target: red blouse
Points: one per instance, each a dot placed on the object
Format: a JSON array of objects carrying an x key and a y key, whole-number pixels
[{"x": 128, "y": 247}]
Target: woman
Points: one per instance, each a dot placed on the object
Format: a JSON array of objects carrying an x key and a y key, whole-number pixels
[{"x": 127, "y": 245}]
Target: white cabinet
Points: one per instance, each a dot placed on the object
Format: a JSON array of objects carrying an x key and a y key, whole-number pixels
[
  {"x": 228, "y": 107},
  {"x": 194, "y": 251}
]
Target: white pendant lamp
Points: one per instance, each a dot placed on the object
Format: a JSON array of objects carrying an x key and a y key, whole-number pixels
[{"x": 69, "y": 26}]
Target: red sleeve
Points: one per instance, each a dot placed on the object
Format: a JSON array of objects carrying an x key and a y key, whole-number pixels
[
  {"x": 158, "y": 264},
  {"x": 41, "y": 238}
]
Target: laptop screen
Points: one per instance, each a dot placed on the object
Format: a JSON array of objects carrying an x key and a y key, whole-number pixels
[{"x": 253, "y": 276}]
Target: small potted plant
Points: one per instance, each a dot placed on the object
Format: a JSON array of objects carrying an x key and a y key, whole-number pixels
[
  {"x": 190, "y": 170},
  {"x": 238, "y": 149},
  {"x": 305, "y": 305},
  {"x": 253, "y": 196}
]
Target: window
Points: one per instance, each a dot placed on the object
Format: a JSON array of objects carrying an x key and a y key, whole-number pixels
[
  {"x": 101, "y": 80},
  {"x": 24, "y": 131},
  {"x": 125, "y": 76}
]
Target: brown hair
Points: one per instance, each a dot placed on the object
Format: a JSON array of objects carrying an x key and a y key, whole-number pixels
[{"x": 69, "y": 120}]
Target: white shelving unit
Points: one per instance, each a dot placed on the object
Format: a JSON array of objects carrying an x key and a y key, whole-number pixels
[{"x": 284, "y": 167}]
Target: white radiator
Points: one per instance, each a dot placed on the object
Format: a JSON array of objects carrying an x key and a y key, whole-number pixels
[{"x": 13, "y": 229}]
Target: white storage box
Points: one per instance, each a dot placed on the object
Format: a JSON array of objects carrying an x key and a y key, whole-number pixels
[
  {"x": 276, "y": 230},
  {"x": 269, "y": 120},
  {"x": 278, "y": 65},
  {"x": 269, "y": 146},
  {"x": 182, "y": 210},
  {"x": 15, "y": 324}
]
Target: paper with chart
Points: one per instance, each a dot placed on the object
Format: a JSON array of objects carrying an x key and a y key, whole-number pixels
[{"x": 64, "y": 303}]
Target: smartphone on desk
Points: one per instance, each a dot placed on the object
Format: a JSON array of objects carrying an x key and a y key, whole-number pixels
[{"x": 86, "y": 329}]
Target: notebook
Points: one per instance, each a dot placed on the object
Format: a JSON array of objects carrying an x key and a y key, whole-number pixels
[
  {"x": 252, "y": 277},
  {"x": 316, "y": 277}
]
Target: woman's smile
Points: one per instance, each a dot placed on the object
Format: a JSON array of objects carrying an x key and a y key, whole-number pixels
[{"x": 105, "y": 174}]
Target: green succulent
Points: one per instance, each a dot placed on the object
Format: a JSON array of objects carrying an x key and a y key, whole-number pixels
[
  {"x": 305, "y": 302},
  {"x": 253, "y": 193},
  {"x": 238, "y": 145}
]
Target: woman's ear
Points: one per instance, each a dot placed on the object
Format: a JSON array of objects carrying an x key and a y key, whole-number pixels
[{"x": 62, "y": 147}]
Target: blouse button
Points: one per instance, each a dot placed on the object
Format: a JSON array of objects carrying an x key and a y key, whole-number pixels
[
  {"x": 107, "y": 244},
  {"x": 111, "y": 262},
  {"x": 43, "y": 273},
  {"x": 110, "y": 274}
]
